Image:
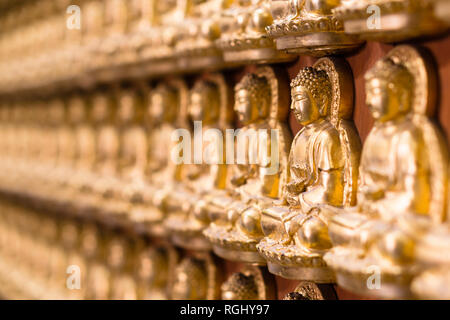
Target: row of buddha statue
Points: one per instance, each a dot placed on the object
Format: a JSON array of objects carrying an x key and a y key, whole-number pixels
[
  {"x": 56, "y": 44},
  {"x": 334, "y": 210}
]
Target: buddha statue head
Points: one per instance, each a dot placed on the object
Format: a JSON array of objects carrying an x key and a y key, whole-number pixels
[
  {"x": 243, "y": 36},
  {"x": 116, "y": 255},
  {"x": 389, "y": 90},
  {"x": 308, "y": 290},
  {"x": 77, "y": 109},
  {"x": 69, "y": 234},
  {"x": 152, "y": 267},
  {"x": 163, "y": 104},
  {"x": 240, "y": 286},
  {"x": 311, "y": 92},
  {"x": 127, "y": 107},
  {"x": 204, "y": 103},
  {"x": 252, "y": 99},
  {"x": 260, "y": 19},
  {"x": 101, "y": 105},
  {"x": 93, "y": 18},
  {"x": 191, "y": 281},
  {"x": 57, "y": 112},
  {"x": 90, "y": 240},
  {"x": 49, "y": 229},
  {"x": 116, "y": 16}
]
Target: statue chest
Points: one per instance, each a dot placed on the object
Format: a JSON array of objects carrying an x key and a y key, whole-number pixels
[
  {"x": 307, "y": 150},
  {"x": 86, "y": 142},
  {"x": 379, "y": 157},
  {"x": 161, "y": 144},
  {"x": 108, "y": 142}
]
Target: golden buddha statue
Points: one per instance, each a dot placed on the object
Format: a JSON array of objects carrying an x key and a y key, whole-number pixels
[
  {"x": 96, "y": 279},
  {"x": 132, "y": 153},
  {"x": 401, "y": 190},
  {"x": 157, "y": 49},
  {"x": 442, "y": 11},
  {"x": 85, "y": 135},
  {"x": 133, "y": 146},
  {"x": 99, "y": 183},
  {"x": 252, "y": 283},
  {"x": 323, "y": 170},
  {"x": 33, "y": 264},
  {"x": 210, "y": 104},
  {"x": 389, "y": 20},
  {"x": 307, "y": 290},
  {"x": 27, "y": 155},
  {"x": 70, "y": 238},
  {"x": 261, "y": 168},
  {"x": 66, "y": 119},
  {"x": 115, "y": 25},
  {"x": 47, "y": 238},
  {"x": 19, "y": 258},
  {"x": 41, "y": 174},
  {"x": 310, "y": 27},
  {"x": 196, "y": 278},
  {"x": 37, "y": 155},
  {"x": 11, "y": 143},
  {"x": 89, "y": 248},
  {"x": 139, "y": 16},
  {"x": 196, "y": 47},
  {"x": 93, "y": 19},
  {"x": 433, "y": 255},
  {"x": 83, "y": 144},
  {"x": 6, "y": 110},
  {"x": 168, "y": 111},
  {"x": 68, "y": 148},
  {"x": 120, "y": 262},
  {"x": 153, "y": 272},
  {"x": 244, "y": 39}
]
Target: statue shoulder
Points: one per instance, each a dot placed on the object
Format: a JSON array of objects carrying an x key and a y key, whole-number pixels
[
  {"x": 410, "y": 135},
  {"x": 329, "y": 133},
  {"x": 328, "y": 143}
]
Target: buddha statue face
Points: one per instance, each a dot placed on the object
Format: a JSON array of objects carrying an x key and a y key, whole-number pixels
[
  {"x": 116, "y": 252},
  {"x": 127, "y": 104},
  {"x": 153, "y": 266},
  {"x": 311, "y": 90},
  {"x": 57, "y": 112},
  {"x": 190, "y": 280},
  {"x": 49, "y": 229},
  {"x": 163, "y": 104},
  {"x": 92, "y": 15},
  {"x": 204, "y": 103},
  {"x": 100, "y": 110},
  {"x": 260, "y": 19},
  {"x": 388, "y": 91},
  {"x": 146, "y": 269},
  {"x": 69, "y": 234},
  {"x": 77, "y": 111},
  {"x": 252, "y": 99},
  {"x": 90, "y": 240}
]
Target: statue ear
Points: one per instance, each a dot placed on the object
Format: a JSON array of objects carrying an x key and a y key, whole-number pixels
[
  {"x": 405, "y": 100},
  {"x": 323, "y": 108}
]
